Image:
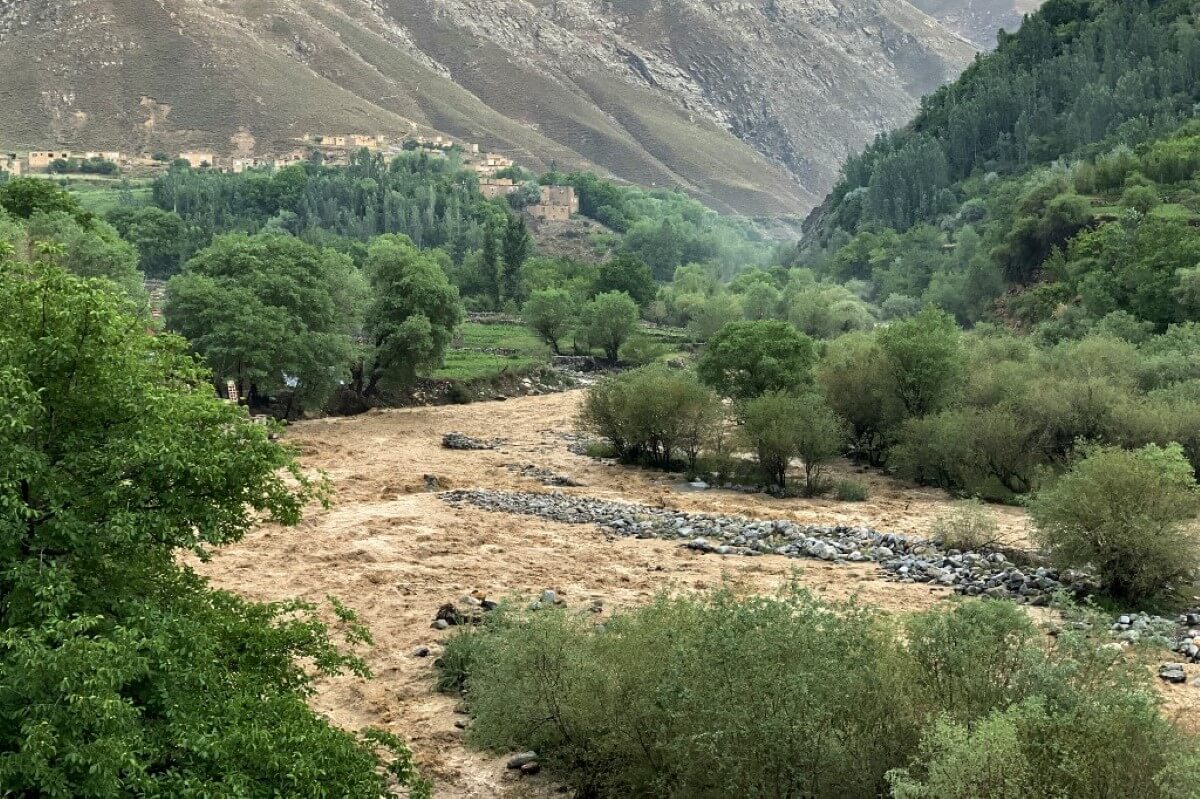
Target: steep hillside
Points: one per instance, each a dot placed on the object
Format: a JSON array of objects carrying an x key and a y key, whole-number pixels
[
  {"x": 750, "y": 106},
  {"x": 979, "y": 20},
  {"x": 1055, "y": 185}
]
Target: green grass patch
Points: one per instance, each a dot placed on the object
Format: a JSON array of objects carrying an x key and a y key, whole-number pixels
[
  {"x": 467, "y": 365},
  {"x": 102, "y": 195},
  {"x": 1174, "y": 211},
  {"x": 475, "y": 336}
]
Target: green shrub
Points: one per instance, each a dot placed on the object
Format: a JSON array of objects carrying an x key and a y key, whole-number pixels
[
  {"x": 600, "y": 449},
  {"x": 1123, "y": 513},
  {"x": 1140, "y": 198},
  {"x": 970, "y": 526},
  {"x": 701, "y": 698},
  {"x": 720, "y": 696},
  {"x": 652, "y": 414},
  {"x": 988, "y": 451},
  {"x": 780, "y": 427},
  {"x": 641, "y": 350},
  {"x": 960, "y": 763},
  {"x": 850, "y": 491}
]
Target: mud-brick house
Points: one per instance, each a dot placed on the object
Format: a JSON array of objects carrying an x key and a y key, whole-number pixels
[
  {"x": 104, "y": 155},
  {"x": 239, "y": 165},
  {"x": 496, "y": 187},
  {"x": 294, "y": 157},
  {"x": 359, "y": 140},
  {"x": 199, "y": 158},
  {"x": 40, "y": 160},
  {"x": 557, "y": 204},
  {"x": 490, "y": 164},
  {"x": 10, "y": 164}
]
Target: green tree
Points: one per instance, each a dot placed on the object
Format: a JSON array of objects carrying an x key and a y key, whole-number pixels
[
  {"x": 24, "y": 197},
  {"x": 163, "y": 240},
  {"x": 269, "y": 312},
  {"x": 856, "y": 381},
  {"x": 781, "y": 427},
  {"x": 1142, "y": 199},
  {"x": 629, "y": 274},
  {"x": 652, "y": 414},
  {"x": 761, "y": 301},
  {"x": 1123, "y": 513},
  {"x": 924, "y": 359},
  {"x": 826, "y": 310},
  {"x": 748, "y": 359},
  {"x": 121, "y": 671},
  {"x": 608, "y": 320},
  {"x": 711, "y": 314},
  {"x": 491, "y": 261},
  {"x": 93, "y": 249},
  {"x": 518, "y": 246},
  {"x": 412, "y": 315},
  {"x": 550, "y": 313}
]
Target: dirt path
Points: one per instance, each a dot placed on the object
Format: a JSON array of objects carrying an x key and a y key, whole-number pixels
[{"x": 394, "y": 553}]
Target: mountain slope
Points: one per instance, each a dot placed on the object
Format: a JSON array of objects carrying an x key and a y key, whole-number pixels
[
  {"x": 1054, "y": 185},
  {"x": 979, "y": 20},
  {"x": 749, "y": 105}
]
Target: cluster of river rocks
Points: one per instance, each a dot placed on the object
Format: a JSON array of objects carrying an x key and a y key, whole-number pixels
[
  {"x": 463, "y": 441},
  {"x": 901, "y": 558},
  {"x": 904, "y": 559},
  {"x": 1181, "y": 635}
]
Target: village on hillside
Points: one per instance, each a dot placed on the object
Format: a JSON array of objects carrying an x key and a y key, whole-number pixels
[{"x": 556, "y": 203}]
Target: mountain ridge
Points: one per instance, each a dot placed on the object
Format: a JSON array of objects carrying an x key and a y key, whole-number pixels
[{"x": 750, "y": 106}]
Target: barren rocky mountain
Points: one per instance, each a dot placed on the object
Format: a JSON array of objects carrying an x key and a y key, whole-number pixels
[
  {"x": 749, "y": 104},
  {"x": 979, "y": 20}
]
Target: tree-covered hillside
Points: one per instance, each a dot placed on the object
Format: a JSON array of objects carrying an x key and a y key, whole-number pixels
[{"x": 1064, "y": 159}]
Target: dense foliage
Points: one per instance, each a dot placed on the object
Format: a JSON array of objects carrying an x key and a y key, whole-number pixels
[
  {"x": 747, "y": 359},
  {"x": 653, "y": 415},
  {"x": 411, "y": 317},
  {"x": 759, "y": 697},
  {"x": 1062, "y": 166},
  {"x": 1126, "y": 513},
  {"x": 269, "y": 312},
  {"x": 121, "y": 671}
]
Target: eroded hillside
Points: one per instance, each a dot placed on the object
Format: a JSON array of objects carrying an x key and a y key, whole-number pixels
[{"x": 749, "y": 105}]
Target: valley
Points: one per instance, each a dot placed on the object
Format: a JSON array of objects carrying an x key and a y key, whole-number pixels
[{"x": 395, "y": 552}]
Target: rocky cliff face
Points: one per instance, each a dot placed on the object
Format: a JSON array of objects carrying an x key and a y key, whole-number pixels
[
  {"x": 979, "y": 20},
  {"x": 749, "y": 104}
]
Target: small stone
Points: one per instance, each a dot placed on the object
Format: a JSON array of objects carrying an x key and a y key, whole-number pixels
[
  {"x": 440, "y": 624},
  {"x": 462, "y": 724},
  {"x": 530, "y": 769},
  {"x": 517, "y": 761},
  {"x": 421, "y": 652},
  {"x": 1172, "y": 673},
  {"x": 549, "y": 597}
]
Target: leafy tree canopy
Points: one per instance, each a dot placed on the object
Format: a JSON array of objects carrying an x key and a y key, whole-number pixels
[
  {"x": 121, "y": 671},
  {"x": 270, "y": 312},
  {"x": 412, "y": 315},
  {"x": 748, "y": 359}
]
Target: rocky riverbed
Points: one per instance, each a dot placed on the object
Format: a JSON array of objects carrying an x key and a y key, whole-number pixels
[{"x": 901, "y": 558}]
